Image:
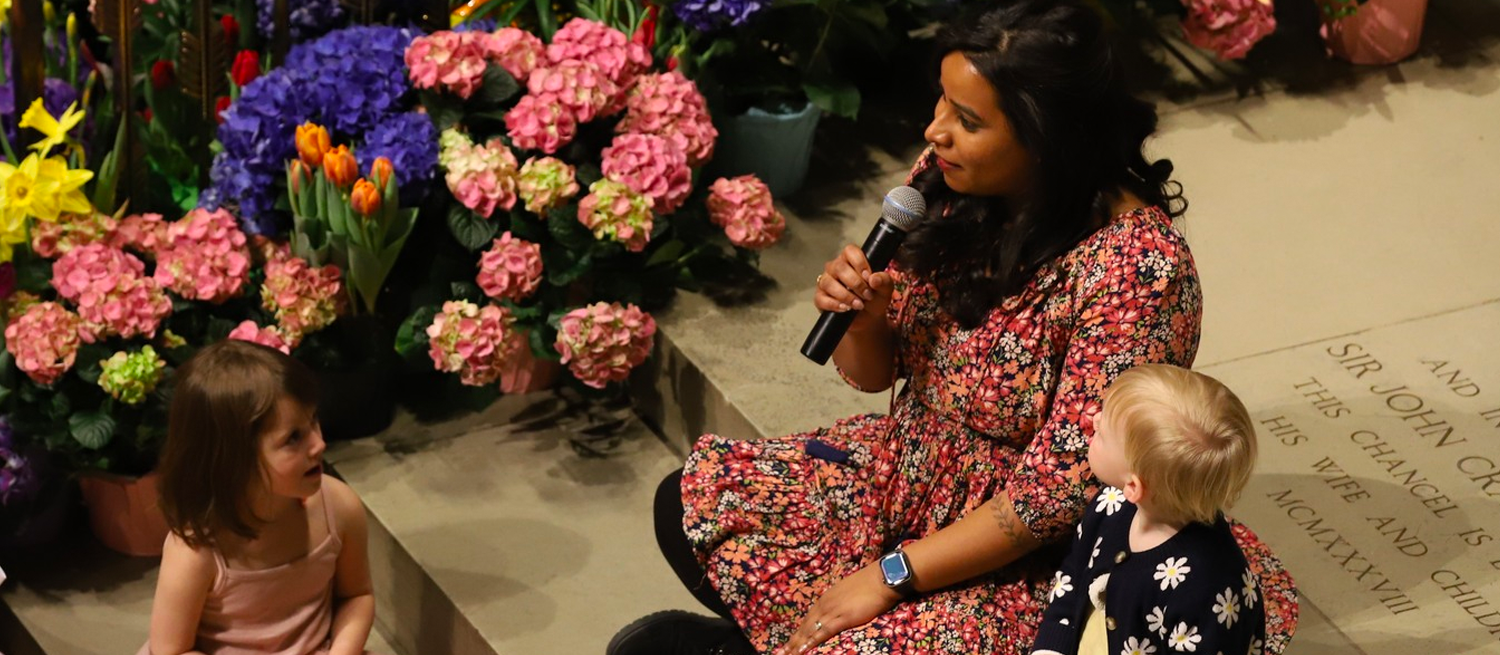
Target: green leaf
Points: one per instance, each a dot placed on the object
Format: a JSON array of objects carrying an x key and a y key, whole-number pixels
[
  {"x": 466, "y": 290},
  {"x": 667, "y": 252},
  {"x": 496, "y": 88},
  {"x": 542, "y": 346},
  {"x": 564, "y": 226},
  {"x": 109, "y": 171},
  {"x": 92, "y": 429},
  {"x": 837, "y": 98},
  {"x": 471, "y": 230},
  {"x": 587, "y": 174},
  {"x": 526, "y": 226},
  {"x": 59, "y": 406},
  {"x": 411, "y": 337},
  {"x": 546, "y": 19},
  {"x": 444, "y": 110},
  {"x": 88, "y": 362},
  {"x": 524, "y": 314},
  {"x": 564, "y": 275}
]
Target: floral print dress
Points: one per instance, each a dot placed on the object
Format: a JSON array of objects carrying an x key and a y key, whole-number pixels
[{"x": 1006, "y": 406}]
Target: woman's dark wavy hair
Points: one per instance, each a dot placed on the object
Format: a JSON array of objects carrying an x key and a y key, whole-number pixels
[{"x": 1060, "y": 87}]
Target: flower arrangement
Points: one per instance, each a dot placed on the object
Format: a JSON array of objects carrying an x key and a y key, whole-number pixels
[
  {"x": 361, "y": 100},
  {"x": 569, "y": 166},
  {"x": 352, "y": 222},
  {"x": 108, "y": 306}
]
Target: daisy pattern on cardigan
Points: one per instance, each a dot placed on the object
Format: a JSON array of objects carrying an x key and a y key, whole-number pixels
[{"x": 1172, "y": 572}]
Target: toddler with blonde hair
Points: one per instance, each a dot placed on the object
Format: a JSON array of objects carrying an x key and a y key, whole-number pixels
[{"x": 1155, "y": 567}]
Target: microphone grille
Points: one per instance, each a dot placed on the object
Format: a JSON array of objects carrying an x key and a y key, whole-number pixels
[{"x": 904, "y": 207}]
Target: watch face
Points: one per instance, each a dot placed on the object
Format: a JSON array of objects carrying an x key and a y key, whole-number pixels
[{"x": 894, "y": 568}]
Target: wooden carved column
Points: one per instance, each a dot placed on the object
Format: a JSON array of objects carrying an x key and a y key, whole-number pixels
[
  {"x": 203, "y": 71},
  {"x": 27, "y": 67}
]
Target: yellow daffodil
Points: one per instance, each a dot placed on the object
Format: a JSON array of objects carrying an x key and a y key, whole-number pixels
[
  {"x": 56, "y": 131},
  {"x": 4, "y": 11},
  {"x": 12, "y": 234},
  {"x": 42, "y": 188}
]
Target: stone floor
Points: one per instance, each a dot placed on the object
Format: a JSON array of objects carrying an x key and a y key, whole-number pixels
[{"x": 1337, "y": 214}]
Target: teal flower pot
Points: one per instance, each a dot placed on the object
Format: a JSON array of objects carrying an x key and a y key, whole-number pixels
[{"x": 773, "y": 147}]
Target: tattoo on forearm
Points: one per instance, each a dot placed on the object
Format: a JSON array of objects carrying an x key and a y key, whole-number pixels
[{"x": 1010, "y": 523}]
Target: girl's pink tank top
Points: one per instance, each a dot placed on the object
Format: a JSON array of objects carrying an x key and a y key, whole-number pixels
[{"x": 282, "y": 610}]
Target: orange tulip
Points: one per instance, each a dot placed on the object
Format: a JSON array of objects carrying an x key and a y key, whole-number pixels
[
  {"x": 312, "y": 143},
  {"x": 340, "y": 167},
  {"x": 365, "y": 199},
  {"x": 381, "y": 171},
  {"x": 301, "y": 174}
]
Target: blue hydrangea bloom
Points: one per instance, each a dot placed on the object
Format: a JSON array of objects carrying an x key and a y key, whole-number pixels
[
  {"x": 350, "y": 81},
  {"x": 710, "y": 15},
  {"x": 410, "y": 141},
  {"x": 308, "y": 18}
]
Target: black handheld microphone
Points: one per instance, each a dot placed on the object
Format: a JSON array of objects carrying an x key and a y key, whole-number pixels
[{"x": 904, "y": 207}]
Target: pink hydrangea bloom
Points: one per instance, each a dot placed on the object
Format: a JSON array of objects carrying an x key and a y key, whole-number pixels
[
  {"x": 540, "y": 123},
  {"x": 44, "y": 341},
  {"x": 93, "y": 268},
  {"x": 613, "y": 211},
  {"x": 516, "y": 50},
  {"x": 451, "y": 61},
  {"x": 53, "y": 238},
  {"x": 511, "y": 269},
  {"x": 652, "y": 166},
  {"x": 473, "y": 342},
  {"x": 602, "y": 342},
  {"x": 304, "y": 299},
  {"x": 744, "y": 208},
  {"x": 1228, "y": 27},
  {"x": 603, "y": 46},
  {"x": 482, "y": 177},
  {"x": 143, "y": 233},
  {"x": 264, "y": 250},
  {"x": 582, "y": 89},
  {"x": 265, "y": 336},
  {"x": 669, "y": 105},
  {"x": 546, "y": 183},
  {"x": 205, "y": 258},
  {"x": 112, "y": 293}
]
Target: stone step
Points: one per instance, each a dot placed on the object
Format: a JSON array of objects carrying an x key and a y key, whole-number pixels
[{"x": 526, "y": 528}]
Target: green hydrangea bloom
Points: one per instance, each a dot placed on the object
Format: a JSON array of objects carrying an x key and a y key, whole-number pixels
[{"x": 130, "y": 377}]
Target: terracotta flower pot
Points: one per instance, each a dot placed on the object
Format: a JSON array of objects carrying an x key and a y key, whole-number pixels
[
  {"x": 528, "y": 374},
  {"x": 124, "y": 513},
  {"x": 1380, "y": 32}
]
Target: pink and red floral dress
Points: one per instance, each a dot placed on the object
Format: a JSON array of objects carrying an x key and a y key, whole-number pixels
[{"x": 1006, "y": 406}]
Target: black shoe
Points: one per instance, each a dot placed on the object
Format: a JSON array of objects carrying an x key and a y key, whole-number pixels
[{"x": 675, "y": 632}]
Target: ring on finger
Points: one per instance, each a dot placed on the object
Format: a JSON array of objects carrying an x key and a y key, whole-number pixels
[
  {"x": 820, "y": 278},
  {"x": 817, "y": 627}
]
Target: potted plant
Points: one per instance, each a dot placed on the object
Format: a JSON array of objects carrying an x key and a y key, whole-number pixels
[
  {"x": 772, "y": 69},
  {"x": 1372, "y": 31}
]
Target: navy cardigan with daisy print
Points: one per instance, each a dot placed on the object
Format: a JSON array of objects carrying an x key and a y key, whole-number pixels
[{"x": 1193, "y": 593}]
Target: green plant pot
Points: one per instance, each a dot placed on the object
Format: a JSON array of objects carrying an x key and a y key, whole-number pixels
[{"x": 773, "y": 147}]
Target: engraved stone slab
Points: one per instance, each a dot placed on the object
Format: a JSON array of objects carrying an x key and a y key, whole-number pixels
[{"x": 1379, "y": 478}]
